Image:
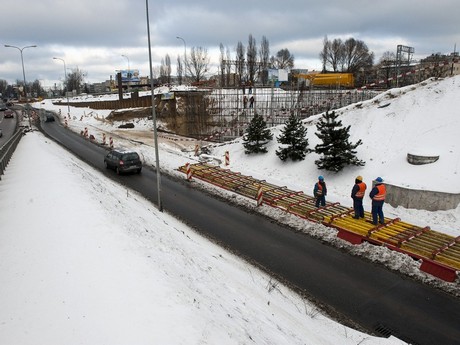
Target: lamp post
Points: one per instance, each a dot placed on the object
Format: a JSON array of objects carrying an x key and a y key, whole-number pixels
[
  {"x": 65, "y": 78},
  {"x": 24, "y": 76},
  {"x": 155, "y": 134},
  {"x": 129, "y": 70},
  {"x": 185, "y": 55}
]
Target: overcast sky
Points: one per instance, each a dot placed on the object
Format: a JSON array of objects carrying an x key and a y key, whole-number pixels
[{"x": 94, "y": 34}]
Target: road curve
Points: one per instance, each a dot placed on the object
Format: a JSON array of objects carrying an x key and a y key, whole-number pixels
[{"x": 378, "y": 300}]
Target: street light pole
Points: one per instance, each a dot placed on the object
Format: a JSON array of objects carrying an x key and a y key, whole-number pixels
[
  {"x": 65, "y": 78},
  {"x": 129, "y": 70},
  {"x": 155, "y": 134},
  {"x": 24, "y": 76},
  {"x": 185, "y": 55}
]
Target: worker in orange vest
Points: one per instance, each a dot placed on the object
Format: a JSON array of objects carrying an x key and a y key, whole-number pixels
[
  {"x": 377, "y": 195},
  {"x": 320, "y": 192},
  {"x": 357, "y": 194}
]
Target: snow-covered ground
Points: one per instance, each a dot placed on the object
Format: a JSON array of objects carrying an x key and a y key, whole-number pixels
[
  {"x": 420, "y": 118},
  {"x": 84, "y": 260}
]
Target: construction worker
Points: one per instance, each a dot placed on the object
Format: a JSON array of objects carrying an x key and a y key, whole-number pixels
[
  {"x": 320, "y": 192},
  {"x": 357, "y": 194},
  {"x": 377, "y": 195}
]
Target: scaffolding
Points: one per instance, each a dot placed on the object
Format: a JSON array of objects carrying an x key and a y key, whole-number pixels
[{"x": 231, "y": 110}]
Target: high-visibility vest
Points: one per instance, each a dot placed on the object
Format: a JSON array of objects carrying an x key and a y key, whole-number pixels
[
  {"x": 382, "y": 192},
  {"x": 319, "y": 191},
  {"x": 362, "y": 189}
]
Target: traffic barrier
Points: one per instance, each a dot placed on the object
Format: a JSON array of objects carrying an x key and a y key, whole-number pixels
[
  {"x": 259, "y": 196},
  {"x": 85, "y": 133},
  {"x": 227, "y": 158},
  {"x": 65, "y": 123},
  {"x": 197, "y": 147},
  {"x": 111, "y": 142},
  {"x": 103, "y": 139},
  {"x": 189, "y": 172}
]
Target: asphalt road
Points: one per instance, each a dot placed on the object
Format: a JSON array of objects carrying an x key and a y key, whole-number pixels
[
  {"x": 8, "y": 126},
  {"x": 378, "y": 300}
]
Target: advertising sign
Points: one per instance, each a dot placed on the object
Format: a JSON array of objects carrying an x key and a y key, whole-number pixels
[
  {"x": 131, "y": 75},
  {"x": 277, "y": 75}
]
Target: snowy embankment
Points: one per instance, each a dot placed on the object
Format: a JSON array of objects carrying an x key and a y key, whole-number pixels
[{"x": 86, "y": 261}]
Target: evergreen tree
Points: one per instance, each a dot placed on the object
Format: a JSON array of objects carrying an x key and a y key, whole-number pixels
[
  {"x": 336, "y": 150},
  {"x": 294, "y": 135},
  {"x": 257, "y": 136}
]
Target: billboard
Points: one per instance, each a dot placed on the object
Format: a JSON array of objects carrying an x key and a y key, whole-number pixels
[
  {"x": 131, "y": 75},
  {"x": 277, "y": 75}
]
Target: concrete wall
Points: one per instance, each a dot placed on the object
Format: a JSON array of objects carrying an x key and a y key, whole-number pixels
[{"x": 421, "y": 199}]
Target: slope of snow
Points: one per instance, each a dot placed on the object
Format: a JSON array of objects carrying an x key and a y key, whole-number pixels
[{"x": 86, "y": 261}]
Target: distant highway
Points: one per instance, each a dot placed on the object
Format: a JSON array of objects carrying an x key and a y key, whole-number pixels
[
  {"x": 8, "y": 126},
  {"x": 350, "y": 288}
]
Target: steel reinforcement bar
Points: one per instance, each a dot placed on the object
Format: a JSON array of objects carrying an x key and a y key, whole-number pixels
[{"x": 439, "y": 253}]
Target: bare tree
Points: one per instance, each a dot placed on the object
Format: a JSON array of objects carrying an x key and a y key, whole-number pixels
[
  {"x": 240, "y": 61},
  {"x": 264, "y": 58},
  {"x": 332, "y": 54},
  {"x": 222, "y": 64},
  {"x": 387, "y": 65},
  {"x": 283, "y": 60},
  {"x": 168, "y": 68},
  {"x": 349, "y": 56},
  {"x": 228, "y": 66},
  {"x": 36, "y": 88},
  {"x": 356, "y": 56},
  {"x": 198, "y": 63},
  {"x": 180, "y": 70},
  {"x": 335, "y": 54},
  {"x": 162, "y": 71},
  {"x": 251, "y": 55},
  {"x": 324, "y": 53},
  {"x": 3, "y": 86},
  {"x": 75, "y": 80}
]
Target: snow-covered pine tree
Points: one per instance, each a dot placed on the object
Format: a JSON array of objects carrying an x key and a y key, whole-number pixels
[
  {"x": 294, "y": 135},
  {"x": 257, "y": 136},
  {"x": 336, "y": 150}
]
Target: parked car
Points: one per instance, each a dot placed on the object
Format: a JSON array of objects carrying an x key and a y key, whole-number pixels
[
  {"x": 3, "y": 107},
  {"x": 9, "y": 113},
  {"x": 122, "y": 161}
]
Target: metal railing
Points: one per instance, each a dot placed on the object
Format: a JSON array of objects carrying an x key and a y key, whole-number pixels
[{"x": 7, "y": 150}]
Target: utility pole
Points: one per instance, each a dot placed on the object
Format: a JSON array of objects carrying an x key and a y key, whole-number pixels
[
  {"x": 24, "y": 75},
  {"x": 185, "y": 56},
  {"x": 65, "y": 78}
]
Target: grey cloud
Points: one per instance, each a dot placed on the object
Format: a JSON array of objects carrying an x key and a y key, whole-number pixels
[{"x": 120, "y": 26}]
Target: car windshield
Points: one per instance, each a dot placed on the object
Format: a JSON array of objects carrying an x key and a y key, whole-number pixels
[{"x": 130, "y": 156}]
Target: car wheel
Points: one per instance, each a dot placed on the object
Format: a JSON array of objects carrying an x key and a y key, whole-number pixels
[
  {"x": 139, "y": 170},
  {"x": 118, "y": 171}
]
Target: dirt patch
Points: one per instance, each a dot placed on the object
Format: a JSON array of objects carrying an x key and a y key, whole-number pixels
[{"x": 129, "y": 114}]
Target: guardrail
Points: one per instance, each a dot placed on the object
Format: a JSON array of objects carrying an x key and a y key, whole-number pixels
[{"x": 6, "y": 151}]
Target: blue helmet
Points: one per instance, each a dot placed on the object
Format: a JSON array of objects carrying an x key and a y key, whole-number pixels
[
  {"x": 379, "y": 179},
  {"x": 321, "y": 178}
]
